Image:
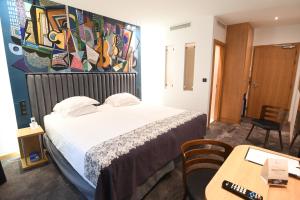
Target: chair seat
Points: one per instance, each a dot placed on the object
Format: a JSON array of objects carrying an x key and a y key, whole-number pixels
[
  {"x": 266, "y": 124},
  {"x": 196, "y": 182}
]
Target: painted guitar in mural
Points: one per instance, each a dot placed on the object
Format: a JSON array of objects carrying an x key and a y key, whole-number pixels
[
  {"x": 115, "y": 50},
  {"x": 106, "y": 56},
  {"x": 102, "y": 47},
  {"x": 98, "y": 48}
]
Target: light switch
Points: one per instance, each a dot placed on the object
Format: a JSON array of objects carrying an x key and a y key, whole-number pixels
[{"x": 23, "y": 109}]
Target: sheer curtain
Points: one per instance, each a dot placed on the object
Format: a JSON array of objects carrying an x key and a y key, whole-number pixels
[{"x": 8, "y": 139}]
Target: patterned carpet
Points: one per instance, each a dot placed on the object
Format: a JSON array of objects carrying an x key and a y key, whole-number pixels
[
  {"x": 47, "y": 183},
  {"x": 235, "y": 135}
]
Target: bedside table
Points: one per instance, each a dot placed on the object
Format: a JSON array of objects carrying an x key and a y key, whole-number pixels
[{"x": 30, "y": 140}]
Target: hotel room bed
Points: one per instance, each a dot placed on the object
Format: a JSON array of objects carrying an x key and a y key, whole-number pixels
[{"x": 116, "y": 152}]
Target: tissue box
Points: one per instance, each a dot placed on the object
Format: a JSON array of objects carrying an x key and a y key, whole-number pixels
[{"x": 275, "y": 172}]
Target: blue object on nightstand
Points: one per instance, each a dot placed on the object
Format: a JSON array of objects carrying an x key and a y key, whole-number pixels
[{"x": 34, "y": 156}]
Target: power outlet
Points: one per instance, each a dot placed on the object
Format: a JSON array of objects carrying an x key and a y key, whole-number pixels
[{"x": 23, "y": 108}]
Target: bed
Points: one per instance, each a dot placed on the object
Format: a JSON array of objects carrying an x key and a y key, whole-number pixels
[{"x": 116, "y": 152}]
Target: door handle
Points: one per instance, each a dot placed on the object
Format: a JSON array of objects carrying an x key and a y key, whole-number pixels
[{"x": 254, "y": 84}]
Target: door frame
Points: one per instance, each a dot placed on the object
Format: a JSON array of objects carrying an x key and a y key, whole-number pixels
[{"x": 216, "y": 42}]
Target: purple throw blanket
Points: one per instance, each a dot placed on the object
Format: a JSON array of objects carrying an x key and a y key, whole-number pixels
[{"x": 119, "y": 165}]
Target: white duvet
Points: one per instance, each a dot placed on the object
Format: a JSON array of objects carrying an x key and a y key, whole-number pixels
[{"x": 74, "y": 136}]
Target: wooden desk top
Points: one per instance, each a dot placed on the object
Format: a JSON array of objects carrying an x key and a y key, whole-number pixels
[
  {"x": 28, "y": 132},
  {"x": 246, "y": 174}
]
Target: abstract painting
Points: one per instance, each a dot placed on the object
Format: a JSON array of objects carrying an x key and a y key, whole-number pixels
[
  {"x": 59, "y": 38},
  {"x": 45, "y": 36}
]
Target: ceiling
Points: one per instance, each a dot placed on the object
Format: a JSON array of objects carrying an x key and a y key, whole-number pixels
[
  {"x": 288, "y": 14},
  {"x": 170, "y": 12}
]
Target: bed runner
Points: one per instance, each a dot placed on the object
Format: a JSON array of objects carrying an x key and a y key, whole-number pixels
[{"x": 100, "y": 156}]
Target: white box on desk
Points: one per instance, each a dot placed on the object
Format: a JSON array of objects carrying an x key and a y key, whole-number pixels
[{"x": 275, "y": 171}]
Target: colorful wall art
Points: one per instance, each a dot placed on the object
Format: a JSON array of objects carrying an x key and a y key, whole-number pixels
[{"x": 44, "y": 36}]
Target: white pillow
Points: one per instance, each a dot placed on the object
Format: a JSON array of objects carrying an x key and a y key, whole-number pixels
[
  {"x": 79, "y": 111},
  {"x": 72, "y": 103},
  {"x": 122, "y": 99}
]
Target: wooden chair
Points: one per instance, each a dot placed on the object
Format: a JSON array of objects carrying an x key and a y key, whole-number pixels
[
  {"x": 297, "y": 133},
  {"x": 200, "y": 163},
  {"x": 271, "y": 119}
]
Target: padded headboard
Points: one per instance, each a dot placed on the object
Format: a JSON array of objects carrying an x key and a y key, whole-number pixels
[{"x": 47, "y": 89}]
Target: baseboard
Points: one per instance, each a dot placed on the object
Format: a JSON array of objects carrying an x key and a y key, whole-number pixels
[{"x": 9, "y": 155}]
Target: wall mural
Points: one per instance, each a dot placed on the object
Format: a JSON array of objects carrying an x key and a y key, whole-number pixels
[
  {"x": 45, "y": 36},
  {"x": 54, "y": 37}
]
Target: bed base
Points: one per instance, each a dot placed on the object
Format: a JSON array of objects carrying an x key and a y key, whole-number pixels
[{"x": 85, "y": 188}]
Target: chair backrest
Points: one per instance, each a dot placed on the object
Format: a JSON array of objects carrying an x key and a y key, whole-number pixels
[
  {"x": 273, "y": 113},
  {"x": 198, "y": 153}
]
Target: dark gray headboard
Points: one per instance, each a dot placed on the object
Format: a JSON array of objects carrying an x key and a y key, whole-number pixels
[{"x": 47, "y": 89}]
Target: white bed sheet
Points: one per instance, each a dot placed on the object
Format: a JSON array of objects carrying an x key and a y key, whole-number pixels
[{"x": 74, "y": 136}]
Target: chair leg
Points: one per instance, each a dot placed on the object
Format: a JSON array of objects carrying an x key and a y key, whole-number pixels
[
  {"x": 280, "y": 139},
  {"x": 293, "y": 141},
  {"x": 267, "y": 137},
  {"x": 250, "y": 132},
  {"x": 184, "y": 196}
]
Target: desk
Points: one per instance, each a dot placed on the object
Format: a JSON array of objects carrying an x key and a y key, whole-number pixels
[{"x": 246, "y": 174}]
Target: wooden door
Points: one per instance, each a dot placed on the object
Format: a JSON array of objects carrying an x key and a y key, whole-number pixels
[
  {"x": 273, "y": 76},
  {"x": 216, "y": 84},
  {"x": 219, "y": 83},
  {"x": 238, "y": 51}
]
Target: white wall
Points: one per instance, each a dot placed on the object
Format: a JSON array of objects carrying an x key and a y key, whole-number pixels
[
  {"x": 276, "y": 35},
  {"x": 8, "y": 139},
  {"x": 201, "y": 33},
  {"x": 219, "y": 31}
]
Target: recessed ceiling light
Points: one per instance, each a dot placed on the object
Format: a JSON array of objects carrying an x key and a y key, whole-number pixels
[{"x": 276, "y": 18}]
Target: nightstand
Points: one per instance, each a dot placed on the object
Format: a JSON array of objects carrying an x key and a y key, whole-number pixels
[{"x": 30, "y": 140}]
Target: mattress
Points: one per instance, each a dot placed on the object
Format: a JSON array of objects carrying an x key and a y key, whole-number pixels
[{"x": 74, "y": 136}]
